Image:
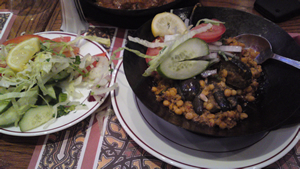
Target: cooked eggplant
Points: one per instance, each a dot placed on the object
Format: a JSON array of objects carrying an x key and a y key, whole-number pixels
[
  {"x": 238, "y": 73},
  {"x": 233, "y": 101},
  {"x": 221, "y": 99},
  {"x": 189, "y": 89},
  {"x": 198, "y": 105}
]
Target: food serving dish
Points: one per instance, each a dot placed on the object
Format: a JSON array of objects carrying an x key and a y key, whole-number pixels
[
  {"x": 131, "y": 19},
  {"x": 184, "y": 149},
  {"x": 86, "y": 46},
  {"x": 277, "y": 101},
  {"x": 135, "y": 12}
]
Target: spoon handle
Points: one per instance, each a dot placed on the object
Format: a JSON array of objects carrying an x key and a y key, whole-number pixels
[{"x": 291, "y": 62}]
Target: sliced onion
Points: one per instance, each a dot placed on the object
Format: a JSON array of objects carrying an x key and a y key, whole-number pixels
[
  {"x": 208, "y": 73},
  {"x": 217, "y": 43},
  {"x": 225, "y": 48},
  {"x": 170, "y": 37},
  {"x": 212, "y": 55},
  {"x": 203, "y": 97},
  {"x": 146, "y": 43}
]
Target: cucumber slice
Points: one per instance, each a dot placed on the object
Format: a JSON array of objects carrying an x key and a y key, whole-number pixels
[
  {"x": 52, "y": 97},
  {"x": 11, "y": 115},
  {"x": 4, "y": 105},
  {"x": 62, "y": 97},
  {"x": 35, "y": 117},
  {"x": 46, "y": 100},
  {"x": 61, "y": 76},
  {"x": 174, "y": 68},
  {"x": 51, "y": 91}
]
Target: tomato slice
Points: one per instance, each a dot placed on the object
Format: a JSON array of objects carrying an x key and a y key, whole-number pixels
[
  {"x": 101, "y": 54},
  {"x": 213, "y": 34},
  {"x": 67, "y": 52},
  {"x": 94, "y": 64},
  {"x": 154, "y": 51},
  {"x": 3, "y": 65},
  {"x": 22, "y": 38},
  {"x": 62, "y": 39}
]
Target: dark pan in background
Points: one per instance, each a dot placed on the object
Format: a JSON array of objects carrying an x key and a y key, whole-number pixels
[
  {"x": 280, "y": 99},
  {"x": 129, "y": 19}
]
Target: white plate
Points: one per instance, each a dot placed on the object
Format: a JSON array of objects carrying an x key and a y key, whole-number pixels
[
  {"x": 184, "y": 149},
  {"x": 74, "y": 117}
]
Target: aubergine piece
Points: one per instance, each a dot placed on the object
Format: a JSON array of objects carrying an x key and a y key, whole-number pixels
[
  {"x": 178, "y": 88},
  {"x": 189, "y": 89},
  {"x": 238, "y": 73},
  {"x": 198, "y": 105},
  {"x": 233, "y": 101},
  {"x": 221, "y": 99}
]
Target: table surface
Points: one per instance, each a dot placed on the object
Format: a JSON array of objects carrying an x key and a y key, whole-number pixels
[{"x": 18, "y": 152}]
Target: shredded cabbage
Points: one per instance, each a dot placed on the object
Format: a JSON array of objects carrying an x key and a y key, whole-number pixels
[
  {"x": 205, "y": 20},
  {"x": 168, "y": 47}
]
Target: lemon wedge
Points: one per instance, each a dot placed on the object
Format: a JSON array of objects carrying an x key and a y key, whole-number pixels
[
  {"x": 22, "y": 53},
  {"x": 167, "y": 23}
]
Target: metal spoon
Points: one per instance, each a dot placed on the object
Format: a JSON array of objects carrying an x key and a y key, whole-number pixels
[{"x": 263, "y": 46}]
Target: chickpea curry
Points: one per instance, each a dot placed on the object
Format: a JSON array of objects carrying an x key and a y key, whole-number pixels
[{"x": 218, "y": 99}]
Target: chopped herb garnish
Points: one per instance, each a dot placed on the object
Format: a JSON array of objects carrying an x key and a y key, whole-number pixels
[
  {"x": 77, "y": 60},
  {"x": 64, "y": 110}
]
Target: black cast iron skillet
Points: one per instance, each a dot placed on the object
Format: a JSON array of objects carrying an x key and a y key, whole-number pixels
[
  {"x": 138, "y": 12},
  {"x": 129, "y": 19},
  {"x": 279, "y": 99}
]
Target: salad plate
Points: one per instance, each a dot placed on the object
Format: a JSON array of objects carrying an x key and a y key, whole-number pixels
[
  {"x": 63, "y": 122},
  {"x": 279, "y": 88},
  {"x": 184, "y": 149}
]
